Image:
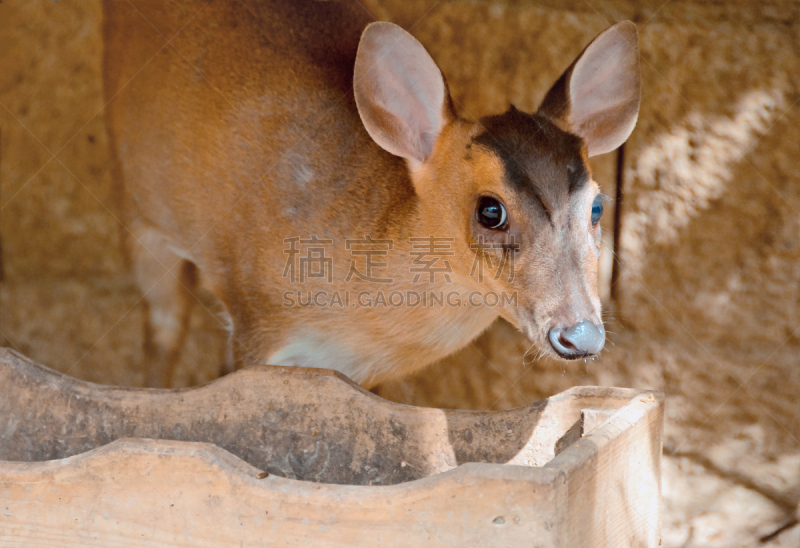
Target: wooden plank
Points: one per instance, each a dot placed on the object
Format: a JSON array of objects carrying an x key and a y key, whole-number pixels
[
  {"x": 164, "y": 493},
  {"x": 612, "y": 479},
  {"x": 590, "y": 419},
  {"x": 310, "y": 424},
  {"x": 593, "y": 417},
  {"x": 602, "y": 490}
]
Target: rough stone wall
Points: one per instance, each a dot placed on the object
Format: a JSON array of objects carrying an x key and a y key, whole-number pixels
[
  {"x": 66, "y": 298},
  {"x": 706, "y": 307},
  {"x": 57, "y": 216}
]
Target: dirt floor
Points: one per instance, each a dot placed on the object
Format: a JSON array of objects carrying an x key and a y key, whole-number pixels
[{"x": 707, "y": 302}]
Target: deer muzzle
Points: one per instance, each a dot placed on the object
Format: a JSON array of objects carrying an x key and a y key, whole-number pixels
[{"x": 577, "y": 341}]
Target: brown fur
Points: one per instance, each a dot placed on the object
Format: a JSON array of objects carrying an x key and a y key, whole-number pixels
[{"x": 243, "y": 131}]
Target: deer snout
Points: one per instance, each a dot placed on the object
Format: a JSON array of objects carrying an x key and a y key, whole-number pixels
[{"x": 577, "y": 341}]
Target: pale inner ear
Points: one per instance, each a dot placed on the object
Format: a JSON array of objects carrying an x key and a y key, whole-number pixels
[
  {"x": 604, "y": 89},
  {"x": 597, "y": 98},
  {"x": 400, "y": 93}
]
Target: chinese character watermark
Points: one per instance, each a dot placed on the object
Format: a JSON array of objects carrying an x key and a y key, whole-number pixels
[
  {"x": 483, "y": 257},
  {"x": 313, "y": 265},
  {"x": 369, "y": 249},
  {"x": 427, "y": 253}
]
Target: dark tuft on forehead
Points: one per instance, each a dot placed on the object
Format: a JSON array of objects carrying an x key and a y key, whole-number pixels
[{"x": 539, "y": 158}]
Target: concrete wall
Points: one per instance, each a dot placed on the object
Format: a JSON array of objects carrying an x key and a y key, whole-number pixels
[{"x": 707, "y": 304}]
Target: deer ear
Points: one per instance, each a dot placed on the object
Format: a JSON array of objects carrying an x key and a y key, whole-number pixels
[
  {"x": 401, "y": 95},
  {"x": 597, "y": 98}
]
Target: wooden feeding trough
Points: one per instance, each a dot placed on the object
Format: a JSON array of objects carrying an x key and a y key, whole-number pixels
[{"x": 275, "y": 456}]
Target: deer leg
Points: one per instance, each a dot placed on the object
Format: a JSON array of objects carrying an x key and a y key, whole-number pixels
[
  {"x": 167, "y": 282},
  {"x": 227, "y": 360}
]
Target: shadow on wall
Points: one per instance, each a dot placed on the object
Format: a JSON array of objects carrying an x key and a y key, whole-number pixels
[
  {"x": 701, "y": 154},
  {"x": 698, "y": 211}
]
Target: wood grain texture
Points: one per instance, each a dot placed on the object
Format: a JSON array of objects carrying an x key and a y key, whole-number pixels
[
  {"x": 308, "y": 424},
  {"x": 602, "y": 490}
]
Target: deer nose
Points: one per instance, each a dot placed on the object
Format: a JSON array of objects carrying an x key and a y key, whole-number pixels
[{"x": 577, "y": 341}]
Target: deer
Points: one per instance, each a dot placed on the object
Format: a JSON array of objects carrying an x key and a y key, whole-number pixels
[{"x": 271, "y": 152}]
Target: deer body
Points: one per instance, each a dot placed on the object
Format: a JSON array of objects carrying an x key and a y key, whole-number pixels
[{"x": 236, "y": 129}]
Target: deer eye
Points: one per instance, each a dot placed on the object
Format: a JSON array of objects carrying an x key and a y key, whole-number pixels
[
  {"x": 597, "y": 210},
  {"x": 491, "y": 213}
]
